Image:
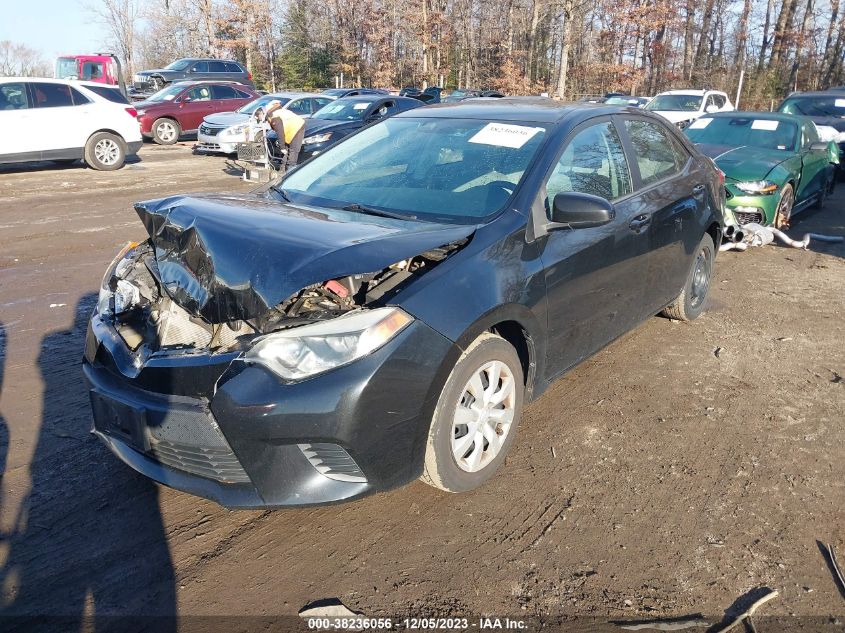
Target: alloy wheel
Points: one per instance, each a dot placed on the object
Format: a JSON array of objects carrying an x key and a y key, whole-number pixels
[
  {"x": 484, "y": 416},
  {"x": 166, "y": 131},
  {"x": 106, "y": 151}
]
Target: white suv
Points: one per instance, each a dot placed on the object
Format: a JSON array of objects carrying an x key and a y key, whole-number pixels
[
  {"x": 682, "y": 107},
  {"x": 62, "y": 120}
]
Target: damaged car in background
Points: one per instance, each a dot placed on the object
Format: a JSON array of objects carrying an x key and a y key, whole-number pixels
[{"x": 382, "y": 312}]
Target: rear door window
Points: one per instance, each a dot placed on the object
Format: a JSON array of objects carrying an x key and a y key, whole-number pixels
[
  {"x": 14, "y": 96},
  {"x": 232, "y": 67},
  {"x": 300, "y": 106},
  {"x": 657, "y": 154},
  {"x": 593, "y": 162},
  {"x": 47, "y": 95},
  {"x": 200, "y": 67},
  {"x": 112, "y": 94},
  {"x": 216, "y": 67},
  {"x": 225, "y": 92}
]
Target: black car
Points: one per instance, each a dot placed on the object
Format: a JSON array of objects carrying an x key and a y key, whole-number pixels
[
  {"x": 191, "y": 68},
  {"x": 467, "y": 93},
  {"x": 340, "y": 118},
  {"x": 339, "y": 93},
  {"x": 824, "y": 108},
  {"x": 429, "y": 95},
  {"x": 383, "y": 312}
]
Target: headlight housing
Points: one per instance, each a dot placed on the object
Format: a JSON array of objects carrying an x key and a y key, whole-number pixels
[
  {"x": 306, "y": 351},
  {"x": 317, "y": 138},
  {"x": 126, "y": 291},
  {"x": 758, "y": 187},
  {"x": 234, "y": 130}
]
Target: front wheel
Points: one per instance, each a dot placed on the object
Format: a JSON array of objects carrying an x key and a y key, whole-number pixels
[
  {"x": 166, "y": 131},
  {"x": 105, "y": 151},
  {"x": 477, "y": 414},
  {"x": 690, "y": 303},
  {"x": 784, "y": 211}
]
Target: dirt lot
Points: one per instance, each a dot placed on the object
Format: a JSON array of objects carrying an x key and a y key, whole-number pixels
[{"x": 657, "y": 479}]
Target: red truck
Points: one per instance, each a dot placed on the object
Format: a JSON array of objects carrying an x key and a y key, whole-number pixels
[{"x": 98, "y": 67}]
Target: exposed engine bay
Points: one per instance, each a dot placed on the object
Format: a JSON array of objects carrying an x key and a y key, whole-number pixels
[{"x": 144, "y": 314}]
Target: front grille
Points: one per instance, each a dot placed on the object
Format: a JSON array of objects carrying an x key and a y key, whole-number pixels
[
  {"x": 208, "y": 147},
  {"x": 333, "y": 461},
  {"x": 210, "y": 131},
  {"x": 744, "y": 217},
  {"x": 211, "y": 463}
]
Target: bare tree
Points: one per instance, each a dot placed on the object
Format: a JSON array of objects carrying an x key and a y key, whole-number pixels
[
  {"x": 120, "y": 17},
  {"x": 18, "y": 60}
]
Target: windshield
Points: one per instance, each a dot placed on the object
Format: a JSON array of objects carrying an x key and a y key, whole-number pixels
[
  {"x": 676, "y": 103},
  {"x": 179, "y": 64},
  {"x": 738, "y": 131},
  {"x": 167, "y": 94},
  {"x": 66, "y": 67},
  {"x": 252, "y": 106},
  {"x": 446, "y": 170},
  {"x": 343, "y": 111},
  {"x": 815, "y": 106}
]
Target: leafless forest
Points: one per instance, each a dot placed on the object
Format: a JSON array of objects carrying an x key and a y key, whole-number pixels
[{"x": 568, "y": 48}]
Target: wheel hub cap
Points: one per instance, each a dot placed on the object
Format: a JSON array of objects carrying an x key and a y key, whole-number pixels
[
  {"x": 483, "y": 417},
  {"x": 106, "y": 151},
  {"x": 700, "y": 278}
]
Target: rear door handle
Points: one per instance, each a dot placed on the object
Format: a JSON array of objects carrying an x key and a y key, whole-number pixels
[
  {"x": 698, "y": 190},
  {"x": 640, "y": 222}
]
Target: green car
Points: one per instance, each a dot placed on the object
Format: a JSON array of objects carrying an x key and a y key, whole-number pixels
[{"x": 774, "y": 164}]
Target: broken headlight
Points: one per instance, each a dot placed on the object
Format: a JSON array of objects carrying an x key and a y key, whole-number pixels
[
  {"x": 305, "y": 351},
  {"x": 317, "y": 138},
  {"x": 118, "y": 267}
]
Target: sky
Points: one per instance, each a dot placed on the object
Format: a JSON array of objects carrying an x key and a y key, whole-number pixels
[{"x": 53, "y": 27}]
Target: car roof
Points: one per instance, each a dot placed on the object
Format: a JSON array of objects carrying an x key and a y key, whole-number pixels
[
  {"x": 369, "y": 98},
  {"x": 527, "y": 109},
  {"x": 816, "y": 93},
  {"x": 294, "y": 94},
  {"x": 209, "y": 82},
  {"x": 206, "y": 59},
  {"x": 691, "y": 91},
  {"x": 749, "y": 114}
]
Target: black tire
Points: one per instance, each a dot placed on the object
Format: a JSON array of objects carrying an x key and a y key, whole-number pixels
[
  {"x": 441, "y": 466},
  {"x": 690, "y": 303},
  {"x": 166, "y": 131},
  {"x": 783, "y": 212},
  {"x": 105, "y": 151}
]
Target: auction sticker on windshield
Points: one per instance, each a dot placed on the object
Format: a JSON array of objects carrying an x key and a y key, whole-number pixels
[
  {"x": 763, "y": 124},
  {"x": 505, "y": 135}
]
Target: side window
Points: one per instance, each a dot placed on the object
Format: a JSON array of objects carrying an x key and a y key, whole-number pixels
[
  {"x": 51, "y": 95},
  {"x": 13, "y": 97},
  {"x": 78, "y": 97},
  {"x": 200, "y": 93},
  {"x": 92, "y": 70},
  {"x": 658, "y": 155},
  {"x": 302, "y": 106},
  {"x": 216, "y": 67},
  {"x": 200, "y": 67},
  {"x": 593, "y": 162},
  {"x": 224, "y": 92},
  {"x": 719, "y": 100},
  {"x": 232, "y": 67},
  {"x": 243, "y": 95},
  {"x": 809, "y": 134}
]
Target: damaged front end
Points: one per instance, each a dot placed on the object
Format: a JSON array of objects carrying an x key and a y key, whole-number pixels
[{"x": 224, "y": 350}]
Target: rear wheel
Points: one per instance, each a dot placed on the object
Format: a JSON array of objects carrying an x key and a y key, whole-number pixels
[
  {"x": 690, "y": 303},
  {"x": 105, "y": 151},
  {"x": 784, "y": 211},
  {"x": 475, "y": 421},
  {"x": 166, "y": 131}
]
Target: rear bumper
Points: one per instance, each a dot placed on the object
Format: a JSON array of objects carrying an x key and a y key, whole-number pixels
[{"x": 259, "y": 442}]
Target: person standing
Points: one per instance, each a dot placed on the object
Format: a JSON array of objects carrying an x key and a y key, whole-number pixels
[{"x": 290, "y": 127}]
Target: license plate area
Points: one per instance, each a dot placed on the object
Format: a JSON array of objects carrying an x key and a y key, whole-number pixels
[{"x": 120, "y": 420}]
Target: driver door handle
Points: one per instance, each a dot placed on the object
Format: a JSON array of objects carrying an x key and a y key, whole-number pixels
[{"x": 640, "y": 222}]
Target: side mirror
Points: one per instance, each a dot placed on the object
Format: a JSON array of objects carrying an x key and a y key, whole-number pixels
[
  {"x": 711, "y": 109},
  {"x": 576, "y": 210},
  {"x": 820, "y": 146}
]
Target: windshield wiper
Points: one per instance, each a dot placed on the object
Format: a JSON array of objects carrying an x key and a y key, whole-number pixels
[
  {"x": 360, "y": 208},
  {"x": 281, "y": 192}
]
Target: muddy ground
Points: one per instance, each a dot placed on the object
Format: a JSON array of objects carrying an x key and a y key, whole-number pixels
[{"x": 657, "y": 479}]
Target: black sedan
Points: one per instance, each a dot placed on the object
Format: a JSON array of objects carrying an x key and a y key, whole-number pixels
[
  {"x": 383, "y": 312},
  {"x": 341, "y": 118}
]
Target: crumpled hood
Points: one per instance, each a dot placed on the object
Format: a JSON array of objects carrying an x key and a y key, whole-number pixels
[
  {"x": 230, "y": 257},
  {"x": 744, "y": 162}
]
